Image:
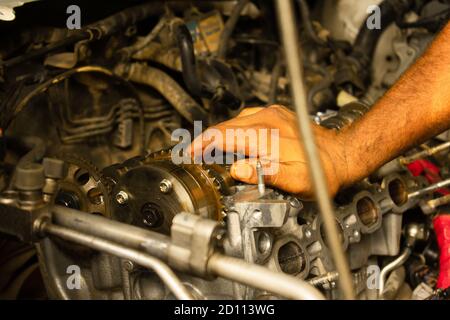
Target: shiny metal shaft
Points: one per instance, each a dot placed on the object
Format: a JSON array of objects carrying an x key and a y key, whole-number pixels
[
  {"x": 289, "y": 35},
  {"x": 262, "y": 278},
  {"x": 153, "y": 243},
  {"x": 429, "y": 189}
]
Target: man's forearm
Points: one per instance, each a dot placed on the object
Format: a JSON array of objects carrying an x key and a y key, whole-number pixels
[{"x": 415, "y": 109}]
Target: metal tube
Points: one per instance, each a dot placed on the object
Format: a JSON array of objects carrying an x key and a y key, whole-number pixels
[
  {"x": 161, "y": 269},
  {"x": 293, "y": 59},
  {"x": 392, "y": 266},
  {"x": 153, "y": 243},
  {"x": 262, "y": 278},
  {"x": 429, "y": 189},
  {"x": 433, "y": 204},
  {"x": 425, "y": 153}
]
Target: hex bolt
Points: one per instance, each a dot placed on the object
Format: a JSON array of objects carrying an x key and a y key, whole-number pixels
[
  {"x": 165, "y": 186},
  {"x": 122, "y": 197}
]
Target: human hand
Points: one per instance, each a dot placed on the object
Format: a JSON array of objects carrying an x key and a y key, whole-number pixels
[{"x": 290, "y": 160}]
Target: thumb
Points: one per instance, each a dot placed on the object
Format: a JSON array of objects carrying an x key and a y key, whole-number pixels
[
  {"x": 290, "y": 176},
  {"x": 246, "y": 171}
]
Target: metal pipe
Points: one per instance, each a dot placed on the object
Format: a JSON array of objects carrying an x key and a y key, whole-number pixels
[
  {"x": 392, "y": 266},
  {"x": 293, "y": 58},
  {"x": 429, "y": 189},
  {"x": 137, "y": 238},
  {"x": 433, "y": 204},
  {"x": 161, "y": 269},
  {"x": 262, "y": 278},
  {"x": 425, "y": 153}
]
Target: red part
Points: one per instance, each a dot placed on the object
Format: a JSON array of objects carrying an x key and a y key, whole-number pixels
[
  {"x": 429, "y": 170},
  {"x": 442, "y": 229}
]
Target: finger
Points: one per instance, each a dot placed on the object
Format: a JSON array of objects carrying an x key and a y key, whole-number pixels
[
  {"x": 249, "y": 111},
  {"x": 290, "y": 177}
]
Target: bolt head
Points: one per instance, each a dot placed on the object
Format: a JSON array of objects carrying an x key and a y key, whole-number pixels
[
  {"x": 165, "y": 186},
  {"x": 122, "y": 197},
  {"x": 151, "y": 216}
]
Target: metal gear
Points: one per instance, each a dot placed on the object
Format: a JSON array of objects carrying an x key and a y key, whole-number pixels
[
  {"x": 83, "y": 187},
  {"x": 152, "y": 190}
]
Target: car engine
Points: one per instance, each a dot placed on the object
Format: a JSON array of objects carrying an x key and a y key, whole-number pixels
[{"x": 93, "y": 207}]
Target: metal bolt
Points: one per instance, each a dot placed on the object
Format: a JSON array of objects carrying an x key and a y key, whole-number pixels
[
  {"x": 122, "y": 197},
  {"x": 152, "y": 217},
  {"x": 308, "y": 234},
  {"x": 356, "y": 234},
  {"x": 165, "y": 186},
  {"x": 295, "y": 203}
]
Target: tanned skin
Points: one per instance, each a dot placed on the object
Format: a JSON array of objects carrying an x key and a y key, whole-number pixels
[{"x": 415, "y": 109}]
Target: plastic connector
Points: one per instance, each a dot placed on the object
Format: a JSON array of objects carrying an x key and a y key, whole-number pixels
[{"x": 442, "y": 228}]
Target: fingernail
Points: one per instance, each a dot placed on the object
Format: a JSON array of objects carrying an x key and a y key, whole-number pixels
[{"x": 243, "y": 171}]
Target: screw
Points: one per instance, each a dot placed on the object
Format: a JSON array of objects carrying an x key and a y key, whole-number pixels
[
  {"x": 295, "y": 203},
  {"x": 122, "y": 197},
  {"x": 165, "y": 186},
  {"x": 151, "y": 215}
]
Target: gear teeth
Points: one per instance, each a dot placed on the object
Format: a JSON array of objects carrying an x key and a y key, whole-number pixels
[{"x": 101, "y": 181}]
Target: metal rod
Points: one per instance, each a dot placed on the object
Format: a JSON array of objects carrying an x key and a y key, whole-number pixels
[
  {"x": 425, "y": 153},
  {"x": 161, "y": 269},
  {"x": 260, "y": 173},
  {"x": 433, "y": 204},
  {"x": 292, "y": 51},
  {"x": 153, "y": 243},
  {"x": 262, "y": 278},
  {"x": 429, "y": 189},
  {"x": 392, "y": 266}
]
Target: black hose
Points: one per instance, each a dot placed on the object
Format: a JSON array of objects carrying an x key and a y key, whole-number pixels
[
  {"x": 307, "y": 23},
  {"x": 325, "y": 83},
  {"x": 188, "y": 62},
  {"x": 229, "y": 28}
]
